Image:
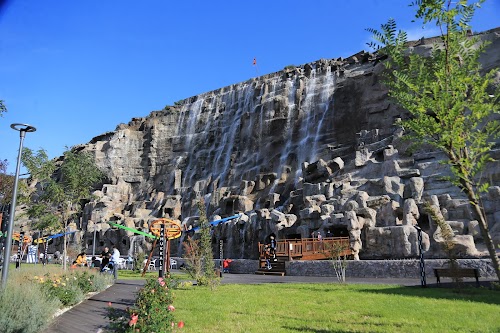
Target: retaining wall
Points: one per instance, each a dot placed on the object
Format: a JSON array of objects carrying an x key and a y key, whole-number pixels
[{"x": 408, "y": 268}]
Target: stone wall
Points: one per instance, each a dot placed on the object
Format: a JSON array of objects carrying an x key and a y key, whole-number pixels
[
  {"x": 304, "y": 151},
  {"x": 408, "y": 268}
]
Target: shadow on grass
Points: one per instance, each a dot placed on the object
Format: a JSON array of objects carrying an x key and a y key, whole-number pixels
[
  {"x": 448, "y": 292},
  {"x": 314, "y": 330}
]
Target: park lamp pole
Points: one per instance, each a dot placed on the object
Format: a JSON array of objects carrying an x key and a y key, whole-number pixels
[
  {"x": 423, "y": 282},
  {"x": 93, "y": 241},
  {"x": 23, "y": 129}
]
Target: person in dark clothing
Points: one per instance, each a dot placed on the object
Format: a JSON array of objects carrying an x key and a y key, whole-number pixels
[
  {"x": 95, "y": 263},
  {"x": 105, "y": 255},
  {"x": 272, "y": 246}
]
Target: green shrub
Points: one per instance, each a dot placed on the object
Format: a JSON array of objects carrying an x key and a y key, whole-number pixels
[
  {"x": 26, "y": 308},
  {"x": 139, "y": 262},
  {"x": 101, "y": 281},
  {"x": 91, "y": 281},
  {"x": 72, "y": 287}
]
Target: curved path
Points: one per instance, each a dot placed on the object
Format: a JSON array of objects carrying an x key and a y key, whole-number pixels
[{"x": 90, "y": 315}]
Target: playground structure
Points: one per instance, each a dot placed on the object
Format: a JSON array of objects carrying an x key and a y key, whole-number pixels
[
  {"x": 171, "y": 230},
  {"x": 302, "y": 249},
  {"x": 27, "y": 241},
  {"x": 160, "y": 229}
]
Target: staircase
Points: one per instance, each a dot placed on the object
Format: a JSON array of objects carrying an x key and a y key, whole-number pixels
[{"x": 277, "y": 267}]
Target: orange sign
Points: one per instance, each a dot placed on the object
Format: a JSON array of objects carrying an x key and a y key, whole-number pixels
[
  {"x": 172, "y": 228},
  {"x": 16, "y": 235}
]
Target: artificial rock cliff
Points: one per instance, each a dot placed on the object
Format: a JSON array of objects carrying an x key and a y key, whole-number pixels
[{"x": 307, "y": 149}]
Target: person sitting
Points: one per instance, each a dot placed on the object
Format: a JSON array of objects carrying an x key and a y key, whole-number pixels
[
  {"x": 105, "y": 255},
  {"x": 95, "y": 263},
  {"x": 81, "y": 260}
]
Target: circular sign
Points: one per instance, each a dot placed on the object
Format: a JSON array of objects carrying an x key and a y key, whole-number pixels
[{"x": 172, "y": 228}]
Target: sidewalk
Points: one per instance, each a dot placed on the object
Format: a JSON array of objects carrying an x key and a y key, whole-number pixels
[{"x": 90, "y": 315}]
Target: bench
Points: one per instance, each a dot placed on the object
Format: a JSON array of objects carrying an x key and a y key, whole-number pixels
[{"x": 456, "y": 273}]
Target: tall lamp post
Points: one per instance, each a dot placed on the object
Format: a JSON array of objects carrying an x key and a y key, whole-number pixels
[
  {"x": 23, "y": 129},
  {"x": 423, "y": 282},
  {"x": 94, "y": 238}
]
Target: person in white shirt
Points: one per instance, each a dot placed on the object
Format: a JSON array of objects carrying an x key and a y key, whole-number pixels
[{"x": 115, "y": 258}]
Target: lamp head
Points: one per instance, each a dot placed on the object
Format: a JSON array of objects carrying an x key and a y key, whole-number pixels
[{"x": 23, "y": 127}]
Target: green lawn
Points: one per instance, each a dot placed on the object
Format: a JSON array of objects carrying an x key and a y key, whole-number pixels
[{"x": 322, "y": 308}]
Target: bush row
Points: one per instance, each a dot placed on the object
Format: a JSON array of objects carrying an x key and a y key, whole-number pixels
[{"x": 34, "y": 294}]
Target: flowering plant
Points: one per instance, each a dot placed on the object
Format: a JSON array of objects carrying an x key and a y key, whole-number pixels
[
  {"x": 153, "y": 311},
  {"x": 71, "y": 287}
]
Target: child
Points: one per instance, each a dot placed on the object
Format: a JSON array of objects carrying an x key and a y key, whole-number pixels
[{"x": 267, "y": 253}]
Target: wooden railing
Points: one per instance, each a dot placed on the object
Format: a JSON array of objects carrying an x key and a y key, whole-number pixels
[{"x": 308, "y": 248}]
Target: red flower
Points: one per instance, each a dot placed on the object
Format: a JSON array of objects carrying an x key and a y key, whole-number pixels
[
  {"x": 180, "y": 324},
  {"x": 133, "y": 319},
  {"x": 109, "y": 304},
  {"x": 170, "y": 308}
]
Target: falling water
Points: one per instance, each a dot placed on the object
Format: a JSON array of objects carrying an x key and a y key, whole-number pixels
[
  {"x": 325, "y": 97},
  {"x": 254, "y": 127}
]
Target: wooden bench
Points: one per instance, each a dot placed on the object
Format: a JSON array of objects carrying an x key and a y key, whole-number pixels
[{"x": 456, "y": 273}]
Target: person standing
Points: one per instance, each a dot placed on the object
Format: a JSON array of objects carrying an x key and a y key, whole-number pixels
[
  {"x": 272, "y": 246},
  {"x": 115, "y": 259}
]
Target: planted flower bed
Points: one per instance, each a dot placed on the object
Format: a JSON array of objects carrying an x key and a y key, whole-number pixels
[{"x": 34, "y": 294}]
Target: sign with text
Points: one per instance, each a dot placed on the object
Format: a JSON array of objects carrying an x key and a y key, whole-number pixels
[{"x": 162, "y": 250}]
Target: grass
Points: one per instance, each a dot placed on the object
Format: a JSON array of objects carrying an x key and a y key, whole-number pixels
[{"x": 322, "y": 308}]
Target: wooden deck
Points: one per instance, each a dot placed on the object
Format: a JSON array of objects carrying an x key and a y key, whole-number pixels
[
  {"x": 301, "y": 249},
  {"x": 308, "y": 248}
]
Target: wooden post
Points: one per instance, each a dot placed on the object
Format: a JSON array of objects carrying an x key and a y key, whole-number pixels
[{"x": 149, "y": 258}]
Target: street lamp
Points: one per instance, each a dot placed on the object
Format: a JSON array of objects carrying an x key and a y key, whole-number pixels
[
  {"x": 23, "y": 129},
  {"x": 93, "y": 241},
  {"x": 423, "y": 282}
]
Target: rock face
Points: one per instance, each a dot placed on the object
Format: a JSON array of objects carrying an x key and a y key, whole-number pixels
[{"x": 307, "y": 149}]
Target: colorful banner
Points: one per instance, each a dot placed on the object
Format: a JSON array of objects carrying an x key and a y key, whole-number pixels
[{"x": 135, "y": 231}]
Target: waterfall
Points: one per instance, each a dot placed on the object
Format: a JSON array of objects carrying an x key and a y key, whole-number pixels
[
  {"x": 325, "y": 97},
  {"x": 255, "y": 127}
]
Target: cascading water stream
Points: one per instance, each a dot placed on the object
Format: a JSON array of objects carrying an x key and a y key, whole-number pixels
[{"x": 325, "y": 97}]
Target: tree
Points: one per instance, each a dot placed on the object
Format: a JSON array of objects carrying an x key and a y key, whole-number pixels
[
  {"x": 3, "y": 108},
  {"x": 199, "y": 254},
  {"x": 61, "y": 190},
  {"x": 40, "y": 203},
  {"x": 6, "y": 184},
  {"x": 336, "y": 252},
  {"x": 206, "y": 247},
  {"x": 453, "y": 106}
]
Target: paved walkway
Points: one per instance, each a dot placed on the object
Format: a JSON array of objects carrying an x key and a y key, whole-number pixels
[{"x": 90, "y": 315}]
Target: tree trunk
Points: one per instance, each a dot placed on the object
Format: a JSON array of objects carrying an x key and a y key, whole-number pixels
[
  {"x": 64, "y": 250},
  {"x": 483, "y": 225}
]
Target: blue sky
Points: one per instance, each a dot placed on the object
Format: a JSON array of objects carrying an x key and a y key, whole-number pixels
[{"x": 76, "y": 69}]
